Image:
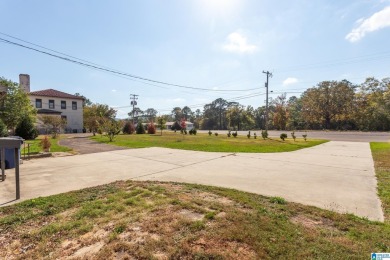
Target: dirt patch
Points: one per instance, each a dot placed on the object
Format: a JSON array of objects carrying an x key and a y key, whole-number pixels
[
  {"x": 228, "y": 249},
  {"x": 86, "y": 251},
  {"x": 312, "y": 223},
  {"x": 191, "y": 215},
  {"x": 215, "y": 198},
  {"x": 84, "y": 145}
]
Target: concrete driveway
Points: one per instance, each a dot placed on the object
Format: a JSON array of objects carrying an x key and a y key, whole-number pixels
[{"x": 336, "y": 175}]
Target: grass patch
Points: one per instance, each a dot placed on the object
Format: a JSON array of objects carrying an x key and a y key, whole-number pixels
[
  {"x": 36, "y": 148},
  {"x": 381, "y": 156},
  {"x": 177, "y": 221},
  {"x": 204, "y": 142}
]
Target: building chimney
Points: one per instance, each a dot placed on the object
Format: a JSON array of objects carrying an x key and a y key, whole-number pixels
[{"x": 24, "y": 82}]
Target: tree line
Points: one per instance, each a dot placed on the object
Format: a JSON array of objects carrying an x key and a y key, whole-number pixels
[{"x": 331, "y": 105}]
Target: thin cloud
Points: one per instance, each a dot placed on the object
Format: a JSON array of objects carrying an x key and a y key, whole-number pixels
[
  {"x": 238, "y": 44},
  {"x": 290, "y": 81},
  {"x": 377, "y": 21}
]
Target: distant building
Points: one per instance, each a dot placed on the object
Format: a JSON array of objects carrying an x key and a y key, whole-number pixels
[
  {"x": 189, "y": 125},
  {"x": 56, "y": 103}
]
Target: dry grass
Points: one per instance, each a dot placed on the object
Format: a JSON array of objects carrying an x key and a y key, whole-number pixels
[{"x": 146, "y": 220}]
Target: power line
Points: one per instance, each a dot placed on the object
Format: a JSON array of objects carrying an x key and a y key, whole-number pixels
[{"x": 99, "y": 67}]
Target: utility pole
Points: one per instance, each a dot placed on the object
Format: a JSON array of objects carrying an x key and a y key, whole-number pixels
[
  {"x": 269, "y": 74},
  {"x": 133, "y": 102}
]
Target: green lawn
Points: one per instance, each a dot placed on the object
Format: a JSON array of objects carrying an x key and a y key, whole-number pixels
[
  {"x": 36, "y": 148},
  {"x": 204, "y": 142},
  {"x": 381, "y": 155}
]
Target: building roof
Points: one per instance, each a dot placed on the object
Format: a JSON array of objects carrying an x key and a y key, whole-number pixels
[{"x": 54, "y": 93}]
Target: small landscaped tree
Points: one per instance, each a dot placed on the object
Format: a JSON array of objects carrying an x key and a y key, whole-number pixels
[
  {"x": 53, "y": 124},
  {"x": 151, "y": 128},
  {"x": 111, "y": 128},
  {"x": 128, "y": 128},
  {"x": 26, "y": 129},
  {"x": 140, "y": 128},
  {"x": 161, "y": 121}
]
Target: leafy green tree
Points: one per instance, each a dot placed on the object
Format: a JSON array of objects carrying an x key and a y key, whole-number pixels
[
  {"x": 280, "y": 114},
  {"x": 150, "y": 114},
  {"x": 97, "y": 114},
  {"x": 3, "y": 129},
  {"x": 14, "y": 105},
  {"x": 26, "y": 129},
  {"x": 329, "y": 105},
  {"x": 372, "y": 105},
  {"x": 295, "y": 120},
  {"x": 176, "y": 113},
  {"x": 187, "y": 113},
  {"x": 111, "y": 128}
]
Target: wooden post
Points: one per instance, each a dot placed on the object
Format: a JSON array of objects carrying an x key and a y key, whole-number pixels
[{"x": 16, "y": 154}]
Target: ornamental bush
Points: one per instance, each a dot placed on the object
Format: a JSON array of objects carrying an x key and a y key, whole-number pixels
[
  {"x": 26, "y": 129},
  {"x": 283, "y": 136},
  {"x": 264, "y": 134},
  {"x": 128, "y": 128},
  {"x": 140, "y": 129},
  {"x": 151, "y": 128}
]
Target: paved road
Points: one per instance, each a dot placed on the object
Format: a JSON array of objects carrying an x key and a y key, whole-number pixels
[
  {"x": 335, "y": 175},
  {"x": 83, "y": 145},
  {"x": 353, "y": 136}
]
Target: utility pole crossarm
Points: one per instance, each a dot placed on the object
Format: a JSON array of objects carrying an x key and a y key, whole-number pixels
[{"x": 133, "y": 102}]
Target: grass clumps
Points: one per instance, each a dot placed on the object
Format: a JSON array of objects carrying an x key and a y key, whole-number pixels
[{"x": 175, "y": 221}]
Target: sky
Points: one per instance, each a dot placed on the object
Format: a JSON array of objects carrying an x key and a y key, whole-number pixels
[{"x": 210, "y": 48}]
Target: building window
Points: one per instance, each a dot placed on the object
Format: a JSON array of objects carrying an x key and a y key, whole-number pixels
[
  {"x": 51, "y": 104},
  {"x": 64, "y": 118},
  {"x": 63, "y": 104},
  {"x": 38, "y": 103},
  {"x": 74, "y": 105}
]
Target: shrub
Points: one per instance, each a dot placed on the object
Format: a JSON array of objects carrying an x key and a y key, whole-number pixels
[
  {"x": 26, "y": 129},
  {"x": 192, "y": 131},
  {"x": 210, "y": 133},
  {"x": 216, "y": 134},
  {"x": 304, "y": 136},
  {"x": 45, "y": 144},
  {"x": 254, "y": 135},
  {"x": 3, "y": 129},
  {"x": 151, "y": 128},
  {"x": 229, "y": 134},
  {"x": 235, "y": 134},
  {"x": 249, "y": 134},
  {"x": 283, "y": 136},
  {"x": 128, "y": 128},
  {"x": 140, "y": 129},
  {"x": 264, "y": 134},
  {"x": 293, "y": 135},
  {"x": 176, "y": 126},
  {"x": 278, "y": 200}
]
